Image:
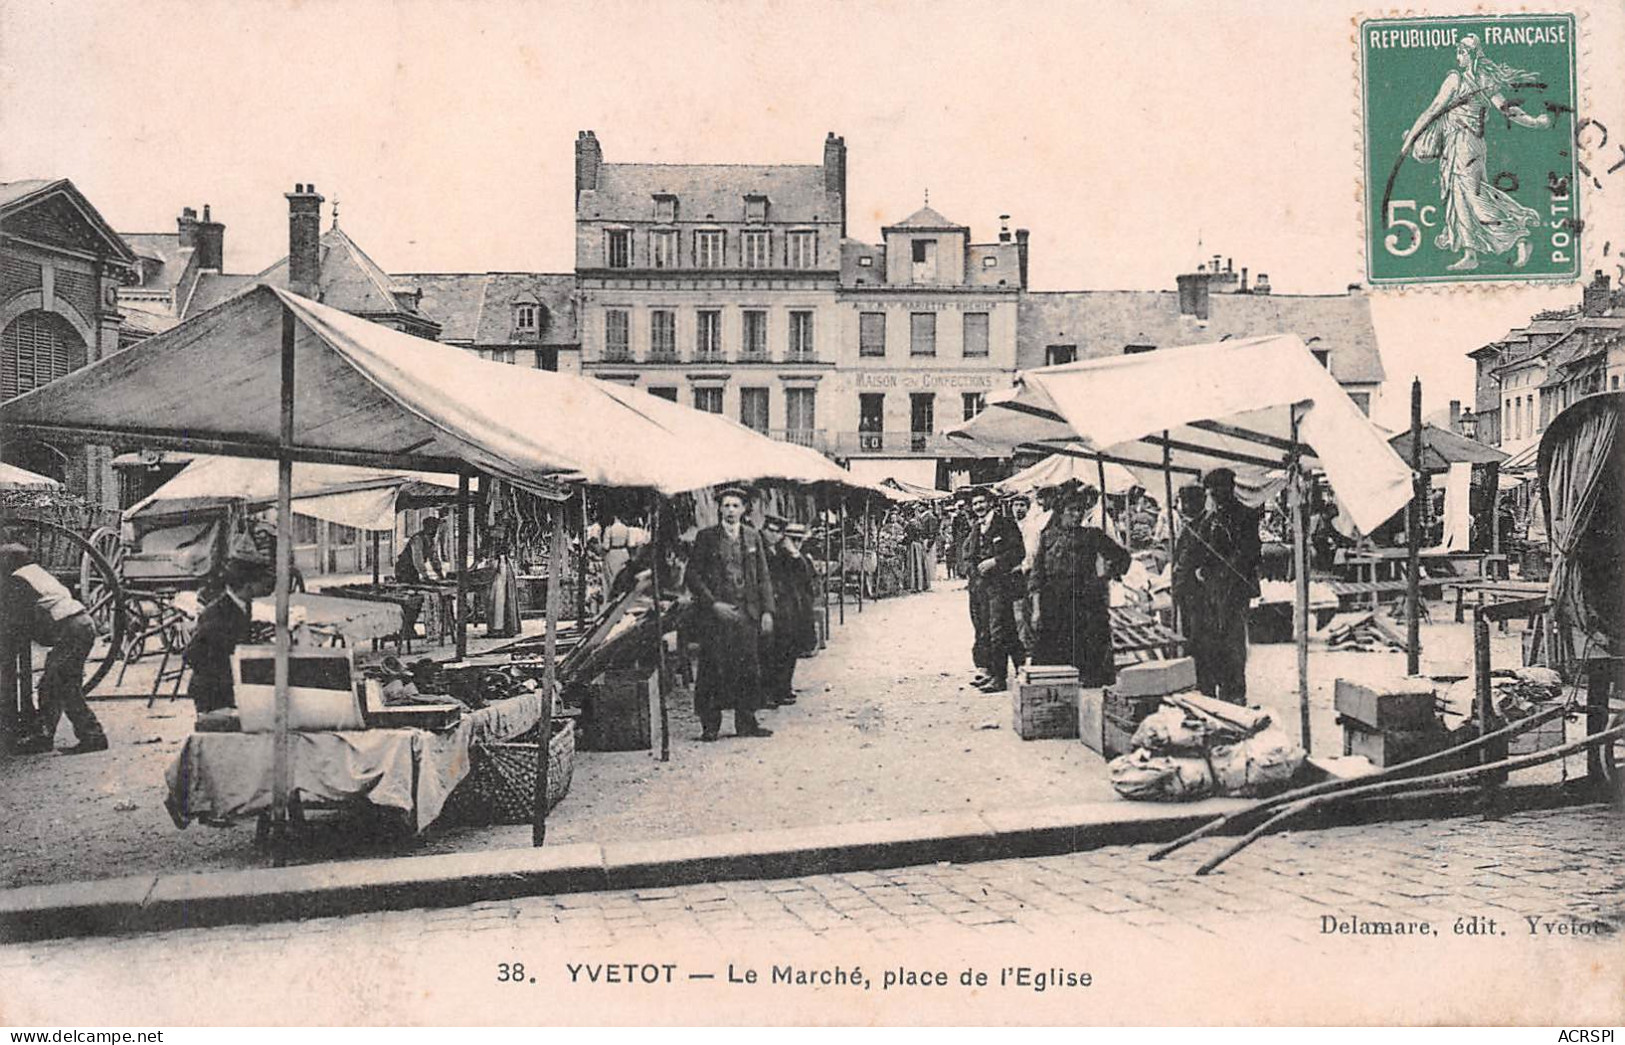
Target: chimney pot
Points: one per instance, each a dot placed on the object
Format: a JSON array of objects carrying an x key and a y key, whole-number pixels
[{"x": 304, "y": 240}]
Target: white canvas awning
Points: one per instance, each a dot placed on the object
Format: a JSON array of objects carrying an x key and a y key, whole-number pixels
[
  {"x": 368, "y": 395},
  {"x": 14, "y": 478},
  {"x": 1222, "y": 405},
  {"x": 1060, "y": 468},
  {"x": 351, "y": 496}
]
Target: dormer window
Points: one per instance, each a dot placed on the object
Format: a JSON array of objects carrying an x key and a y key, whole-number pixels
[
  {"x": 866, "y": 262},
  {"x": 527, "y": 315},
  {"x": 755, "y": 208},
  {"x": 524, "y": 317},
  {"x": 990, "y": 262},
  {"x": 665, "y": 207}
]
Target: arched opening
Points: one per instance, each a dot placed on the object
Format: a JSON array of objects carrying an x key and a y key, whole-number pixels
[{"x": 35, "y": 348}]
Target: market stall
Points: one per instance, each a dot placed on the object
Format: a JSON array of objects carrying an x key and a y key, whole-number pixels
[
  {"x": 372, "y": 397},
  {"x": 1220, "y": 415}
]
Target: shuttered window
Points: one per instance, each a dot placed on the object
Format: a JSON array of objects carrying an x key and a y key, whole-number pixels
[{"x": 36, "y": 348}]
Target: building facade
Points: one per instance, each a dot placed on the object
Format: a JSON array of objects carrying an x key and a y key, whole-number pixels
[
  {"x": 61, "y": 265},
  {"x": 1529, "y": 375},
  {"x": 928, "y": 331},
  {"x": 714, "y": 285}
]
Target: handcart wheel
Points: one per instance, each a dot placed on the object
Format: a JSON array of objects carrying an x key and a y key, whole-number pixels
[{"x": 75, "y": 561}]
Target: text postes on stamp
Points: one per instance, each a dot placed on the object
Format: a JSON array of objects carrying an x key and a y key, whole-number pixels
[{"x": 1469, "y": 148}]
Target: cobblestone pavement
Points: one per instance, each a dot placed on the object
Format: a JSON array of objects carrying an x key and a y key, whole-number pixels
[{"x": 1266, "y": 908}]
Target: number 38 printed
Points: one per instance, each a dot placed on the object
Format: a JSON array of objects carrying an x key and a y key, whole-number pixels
[
  {"x": 1404, "y": 235},
  {"x": 511, "y": 972}
]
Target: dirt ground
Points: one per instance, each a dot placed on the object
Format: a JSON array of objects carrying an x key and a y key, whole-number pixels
[{"x": 887, "y": 727}]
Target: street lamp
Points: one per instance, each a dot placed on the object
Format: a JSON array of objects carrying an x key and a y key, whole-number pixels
[{"x": 1468, "y": 423}]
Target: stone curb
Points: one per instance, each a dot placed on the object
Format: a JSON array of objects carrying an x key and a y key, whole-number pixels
[{"x": 152, "y": 903}]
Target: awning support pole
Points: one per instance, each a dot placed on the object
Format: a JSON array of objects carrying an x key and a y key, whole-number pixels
[
  {"x": 550, "y": 672},
  {"x": 377, "y": 567},
  {"x": 863, "y": 553},
  {"x": 1300, "y": 570},
  {"x": 1173, "y": 516},
  {"x": 662, "y": 668},
  {"x": 581, "y": 564},
  {"x": 823, "y": 580},
  {"x": 843, "y": 560},
  {"x": 1413, "y": 542},
  {"x": 462, "y": 565},
  {"x": 1100, "y": 472},
  {"x": 280, "y": 767}
]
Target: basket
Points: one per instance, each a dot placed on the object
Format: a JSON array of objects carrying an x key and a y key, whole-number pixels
[{"x": 501, "y": 785}]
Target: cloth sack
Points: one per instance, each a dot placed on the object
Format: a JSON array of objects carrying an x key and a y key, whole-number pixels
[{"x": 1143, "y": 776}]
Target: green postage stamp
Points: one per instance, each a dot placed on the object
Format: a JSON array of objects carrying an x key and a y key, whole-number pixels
[{"x": 1469, "y": 148}]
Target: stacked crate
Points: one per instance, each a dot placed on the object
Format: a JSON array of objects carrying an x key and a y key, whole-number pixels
[
  {"x": 1111, "y": 715},
  {"x": 1044, "y": 702},
  {"x": 1389, "y": 722}
]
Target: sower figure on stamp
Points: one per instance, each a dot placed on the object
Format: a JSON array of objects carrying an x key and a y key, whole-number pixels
[
  {"x": 994, "y": 552},
  {"x": 1226, "y": 571},
  {"x": 733, "y": 600},
  {"x": 1479, "y": 218}
]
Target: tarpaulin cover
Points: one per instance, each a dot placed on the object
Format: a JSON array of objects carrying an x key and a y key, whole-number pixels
[
  {"x": 1442, "y": 448},
  {"x": 14, "y": 478},
  {"x": 1582, "y": 470},
  {"x": 1121, "y": 405},
  {"x": 351, "y": 496},
  {"x": 1059, "y": 468},
  {"x": 363, "y": 388}
]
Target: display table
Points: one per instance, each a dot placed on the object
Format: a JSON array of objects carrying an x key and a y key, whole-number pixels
[
  {"x": 227, "y": 776},
  {"x": 355, "y": 620}
]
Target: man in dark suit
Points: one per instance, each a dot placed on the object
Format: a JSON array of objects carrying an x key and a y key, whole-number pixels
[
  {"x": 223, "y": 625},
  {"x": 729, "y": 577},
  {"x": 793, "y": 585},
  {"x": 994, "y": 552},
  {"x": 1225, "y": 566}
]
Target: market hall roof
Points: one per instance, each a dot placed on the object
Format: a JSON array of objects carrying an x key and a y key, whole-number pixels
[
  {"x": 710, "y": 192},
  {"x": 370, "y": 395}
]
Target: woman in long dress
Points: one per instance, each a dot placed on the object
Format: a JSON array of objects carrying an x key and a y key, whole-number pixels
[
  {"x": 1479, "y": 218},
  {"x": 1071, "y": 576}
]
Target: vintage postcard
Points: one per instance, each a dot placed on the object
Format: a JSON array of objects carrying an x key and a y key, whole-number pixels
[{"x": 537, "y": 512}]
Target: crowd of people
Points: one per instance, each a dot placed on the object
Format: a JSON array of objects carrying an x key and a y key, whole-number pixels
[{"x": 1039, "y": 577}]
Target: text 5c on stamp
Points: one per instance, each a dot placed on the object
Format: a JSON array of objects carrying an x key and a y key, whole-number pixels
[{"x": 1470, "y": 167}]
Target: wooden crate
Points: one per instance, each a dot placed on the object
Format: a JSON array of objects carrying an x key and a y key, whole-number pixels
[
  {"x": 1117, "y": 735},
  {"x": 1046, "y": 707},
  {"x": 616, "y": 714},
  {"x": 1092, "y": 718},
  {"x": 1398, "y": 704}
]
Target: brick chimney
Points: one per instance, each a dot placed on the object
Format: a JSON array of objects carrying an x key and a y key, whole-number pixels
[
  {"x": 1455, "y": 416},
  {"x": 589, "y": 158},
  {"x": 304, "y": 240},
  {"x": 1021, "y": 255},
  {"x": 186, "y": 226},
  {"x": 1193, "y": 293},
  {"x": 1004, "y": 228},
  {"x": 835, "y": 171},
  {"x": 1598, "y": 296},
  {"x": 209, "y": 237}
]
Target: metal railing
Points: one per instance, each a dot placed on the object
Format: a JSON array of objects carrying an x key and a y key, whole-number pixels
[
  {"x": 815, "y": 438},
  {"x": 933, "y": 444}
]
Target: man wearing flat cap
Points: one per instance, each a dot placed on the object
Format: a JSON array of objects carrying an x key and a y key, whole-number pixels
[
  {"x": 729, "y": 577},
  {"x": 1224, "y": 565},
  {"x": 36, "y": 607},
  {"x": 225, "y": 624},
  {"x": 793, "y": 630}
]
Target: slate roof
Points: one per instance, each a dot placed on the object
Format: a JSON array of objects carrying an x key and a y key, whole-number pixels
[
  {"x": 626, "y": 192},
  {"x": 1101, "y": 322},
  {"x": 350, "y": 280},
  {"x": 164, "y": 248},
  {"x": 927, "y": 219},
  {"x": 18, "y": 196},
  {"x": 476, "y": 308},
  {"x": 11, "y": 191},
  {"x": 213, "y": 288}
]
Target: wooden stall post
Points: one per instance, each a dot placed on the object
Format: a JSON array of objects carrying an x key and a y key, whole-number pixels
[
  {"x": 842, "y": 553},
  {"x": 280, "y": 767},
  {"x": 1296, "y": 497},
  {"x": 1100, "y": 471},
  {"x": 863, "y": 552},
  {"x": 377, "y": 567},
  {"x": 581, "y": 565},
  {"x": 823, "y": 580},
  {"x": 1413, "y": 542},
  {"x": 1173, "y": 516},
  {"x": 462, "y": 566},
  {"x": 662, "y": 669},
  {"x": 550, "y": 674}
]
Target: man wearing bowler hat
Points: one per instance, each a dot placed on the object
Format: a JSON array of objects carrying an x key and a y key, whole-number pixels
[
  {"x": 729, "y": 577},
  {"x": 1224, "y": 565}
]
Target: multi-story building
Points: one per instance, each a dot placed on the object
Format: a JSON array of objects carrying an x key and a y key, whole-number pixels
[
  {"x": 1211, "y": 304},
  {"x": 714, "y": 285},
  {"x": 1527, "y": 376},
  {"x": 61, "y": 265},
  {"x": 928, "y": 330}
]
